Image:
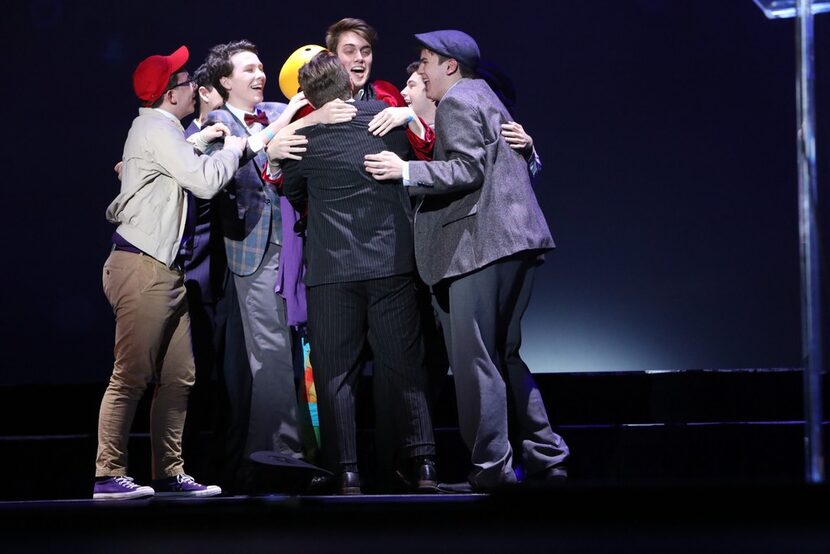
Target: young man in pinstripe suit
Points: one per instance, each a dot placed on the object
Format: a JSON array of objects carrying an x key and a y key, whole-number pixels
[{"x": 360, "y": 281}]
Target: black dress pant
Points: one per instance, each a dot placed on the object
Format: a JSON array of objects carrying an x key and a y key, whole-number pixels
[{"x": 341, "y": 318}]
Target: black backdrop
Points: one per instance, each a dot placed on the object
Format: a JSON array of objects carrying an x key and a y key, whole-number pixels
[{"x": 666, "y": 127}]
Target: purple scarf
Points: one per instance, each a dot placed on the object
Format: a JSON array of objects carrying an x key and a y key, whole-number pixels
[{"x": 291, "y": 271}]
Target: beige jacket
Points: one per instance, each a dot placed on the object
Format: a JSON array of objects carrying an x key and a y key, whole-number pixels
[{"x": 159, "y": 165}]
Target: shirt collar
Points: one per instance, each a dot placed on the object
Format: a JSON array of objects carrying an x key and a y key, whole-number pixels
[
  {"x": 171, "y": 117},
  {"x": 239, "y": 114}
]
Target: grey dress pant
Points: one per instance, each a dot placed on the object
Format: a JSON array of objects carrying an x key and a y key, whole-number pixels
[
  {"x": 481, "y": 315},
  {"x": 273, "y": 423}
]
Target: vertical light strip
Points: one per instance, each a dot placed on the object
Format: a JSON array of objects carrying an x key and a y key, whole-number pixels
[{"x": 809, "y": 244}]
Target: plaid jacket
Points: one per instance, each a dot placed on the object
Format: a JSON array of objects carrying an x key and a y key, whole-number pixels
[{"x": 249, "y": 207}]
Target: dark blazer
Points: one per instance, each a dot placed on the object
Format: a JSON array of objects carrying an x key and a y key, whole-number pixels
[
  {"x": 206, "y": 266},
  {"x": 247, "y": 210},
  {"x": 477, "y": 204},
  {"x": 358, "y": 228}
]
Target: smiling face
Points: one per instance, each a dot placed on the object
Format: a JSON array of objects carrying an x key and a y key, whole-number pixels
[
  {"x": 246, "y": 83},
  {"x": 355, "y": 53},
  {"x": 438, "y": 75},
  {"x": 415, "y": 95}
]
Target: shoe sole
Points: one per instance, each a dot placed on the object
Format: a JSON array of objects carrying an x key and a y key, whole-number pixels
[
  {"x": 422, "y": 486},
  {"x": 121, "y": 495},
  {"x": 190, "y": 494},
  {"x": 456, "y": 488},
  {"x": 427, "y": 486}
]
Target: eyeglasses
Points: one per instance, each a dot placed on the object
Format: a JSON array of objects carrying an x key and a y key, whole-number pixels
[{"x": 188, "y": 83}]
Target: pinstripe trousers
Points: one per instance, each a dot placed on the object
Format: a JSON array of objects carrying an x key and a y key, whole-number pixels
[{"x": 341, "y": 318}]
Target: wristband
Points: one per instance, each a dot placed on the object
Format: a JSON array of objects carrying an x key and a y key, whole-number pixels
[
  {"x": 268, "y": 133},
  {"x": 409, "y": 119}
]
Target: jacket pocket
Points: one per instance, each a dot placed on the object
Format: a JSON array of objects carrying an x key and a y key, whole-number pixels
[{"x": 464, "y": 207}]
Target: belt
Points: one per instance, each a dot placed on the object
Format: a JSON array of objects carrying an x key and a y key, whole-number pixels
[
  {"x": 126, "y": 248},
  {"x": 177, "y": 264}
]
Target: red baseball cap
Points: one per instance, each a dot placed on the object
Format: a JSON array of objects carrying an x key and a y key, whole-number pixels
[{"x": 151, "y": 76}]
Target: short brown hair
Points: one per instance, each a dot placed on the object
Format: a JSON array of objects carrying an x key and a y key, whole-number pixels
[
  {"x": 219, "y": 62},
  {"x": 350, "y": 24},
  {"x": 324, "y": 79},
  {"x": 463, "y": 69}
]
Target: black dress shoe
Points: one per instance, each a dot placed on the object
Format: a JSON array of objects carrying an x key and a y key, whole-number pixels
[
  {"x": 464, "y": 487},
  {"x": 320, "y": 484},
  {"x": 349, "y": 483},
  {"x": 549, "y": 476},
  {"x": 426, "y": 477},
  {"x": 420, "y": 476}
]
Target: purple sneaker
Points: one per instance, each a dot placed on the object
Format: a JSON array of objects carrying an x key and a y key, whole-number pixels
[
  {"x": 183, "y": 486},
  {"x": 119, "y": 487}
]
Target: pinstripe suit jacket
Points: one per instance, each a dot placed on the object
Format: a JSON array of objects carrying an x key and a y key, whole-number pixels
[
  {"x": 477, "y": 204},
  {"x": 248, "y": 207},
  {"x": 358, "y": 228}
]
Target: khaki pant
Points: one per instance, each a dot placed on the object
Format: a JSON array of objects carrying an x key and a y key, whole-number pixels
[{"x": 152, "y": 341}]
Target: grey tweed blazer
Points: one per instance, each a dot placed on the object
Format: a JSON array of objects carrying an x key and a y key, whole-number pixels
[{"x": 476, "y": 201}]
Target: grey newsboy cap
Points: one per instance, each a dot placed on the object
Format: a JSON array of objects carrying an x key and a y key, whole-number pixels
[{"x": 452, "y": 44}]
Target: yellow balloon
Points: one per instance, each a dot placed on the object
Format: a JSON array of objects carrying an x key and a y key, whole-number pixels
[{"x": 289, "y": 74}]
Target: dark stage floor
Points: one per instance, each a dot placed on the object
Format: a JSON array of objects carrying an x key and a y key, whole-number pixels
[
  {"x": 688, "y": 462},
  {"x": 582, "y": 518}
]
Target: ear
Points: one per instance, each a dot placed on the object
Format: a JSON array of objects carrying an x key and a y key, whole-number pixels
[
  {"x": 225, "y": 82},
  {"x": 451, "y": 66},
  {"x": 203, "y": 94}
]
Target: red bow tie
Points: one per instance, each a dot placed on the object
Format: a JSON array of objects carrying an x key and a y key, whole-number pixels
[{"x": 260, "y": 117}]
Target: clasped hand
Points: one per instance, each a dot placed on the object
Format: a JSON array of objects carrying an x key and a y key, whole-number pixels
[
  {"x": 516, "y": 137},
  {"x": 384, "y": 166},
  {"x": 389, "y": 118},
  {"x": 213, "y": 132},
  {"x": 287, "y": 145}
]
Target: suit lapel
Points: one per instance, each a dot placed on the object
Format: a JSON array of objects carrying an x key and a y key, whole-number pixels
[{"x": 241, "y": 130}]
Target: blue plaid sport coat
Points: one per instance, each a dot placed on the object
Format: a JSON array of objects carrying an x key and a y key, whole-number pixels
[{"x": 249, "y": 207}]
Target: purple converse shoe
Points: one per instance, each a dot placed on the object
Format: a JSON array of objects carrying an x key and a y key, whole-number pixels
[
  {"x": 183, "y": 486},
  {"x": 120, "y": 487}
]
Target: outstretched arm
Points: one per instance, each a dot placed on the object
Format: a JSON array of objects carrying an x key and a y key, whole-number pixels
[{"x": 286, "y": 144}]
